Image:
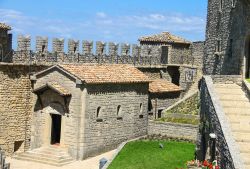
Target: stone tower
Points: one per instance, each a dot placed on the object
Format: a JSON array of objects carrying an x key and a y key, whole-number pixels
[
  {"x": 227, "y": 49},
  {"x": 5, "y": 42}
]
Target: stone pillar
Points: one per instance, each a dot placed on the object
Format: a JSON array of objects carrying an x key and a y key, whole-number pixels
[
  {"x": 23, "y": 48},
  {"x": 125, "y": 49},
  {"x": 73, "y": 46},
  {"x": 58, "y": 45},
  {"x": 113, "y": 51},
  {"x": 136, "y": 53},
  {"x": 58, "y": 49},
  {"x": 23, "y": 43},
  {"x": 100, "y": 48},
  {"x": 87, "y": 47},
  {"x": 41, "y": 44}
]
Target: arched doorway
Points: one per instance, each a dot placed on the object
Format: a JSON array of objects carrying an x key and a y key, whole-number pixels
[{"x": 247, "y": 57}]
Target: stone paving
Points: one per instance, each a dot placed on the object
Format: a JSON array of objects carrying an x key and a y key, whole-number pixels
[{"x": 90, "y": 163}]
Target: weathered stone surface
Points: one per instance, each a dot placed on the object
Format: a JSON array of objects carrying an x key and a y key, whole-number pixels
[
  {"x": 173, "y": 130},
  {"x": 16, "y": 105},
  {"x": 227, "y": 37}
]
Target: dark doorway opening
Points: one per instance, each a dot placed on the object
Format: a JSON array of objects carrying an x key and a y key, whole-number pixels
[
  {"x": 164, "y": 54},
  {"x": 174, "y": 73},
  {"x": 159, "y": 113},
  {"x": 55, "y": 128}
]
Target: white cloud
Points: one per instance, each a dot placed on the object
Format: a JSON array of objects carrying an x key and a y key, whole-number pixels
[
  {"x": 104, "y": 27},
  {"x": 101, "y": 14}
]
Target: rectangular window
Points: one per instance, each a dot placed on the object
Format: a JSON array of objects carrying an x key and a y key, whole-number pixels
[
  {"x": 221, "y": 5},
  {"x": 164, "y": 54},
  {"x": 218, "y": 46}
]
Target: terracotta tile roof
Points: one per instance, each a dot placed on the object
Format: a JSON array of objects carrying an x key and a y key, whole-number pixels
[
  {"x": 116, "y": 73},
  {"x": 162, "y": 86},
  {"x": 54, "y": 86},
  {"x": 4, "y": 26},
  {"x": 164, "y": 37}
]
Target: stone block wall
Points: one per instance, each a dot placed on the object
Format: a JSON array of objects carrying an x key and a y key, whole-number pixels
[
  {"x": 161, "y": 101},
  {"x": 122, "y": 115},
  {"x": 16, "y": 106},
  {"x": 213, "y": 120},
  {"x": 71, "y": 120},
  {"x": 197, "y": 53},
  {"x": 180, "y": 54},
  {"x": 173, "y": 130},
  {"x": 227, "y": 32}
]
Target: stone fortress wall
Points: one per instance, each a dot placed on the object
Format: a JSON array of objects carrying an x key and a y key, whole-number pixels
[
  {"x": 16, "y": 106},
  {"x": 105, "y": 53},
  {"x": 227, "y": 34}
]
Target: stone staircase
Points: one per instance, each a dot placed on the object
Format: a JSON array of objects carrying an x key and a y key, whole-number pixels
[
  {"x": 236, "y": 107},
  {"x": 52, "y": 155}
]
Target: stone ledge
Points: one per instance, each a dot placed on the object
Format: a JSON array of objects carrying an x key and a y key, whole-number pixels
[{"x": 174, "y": 124}]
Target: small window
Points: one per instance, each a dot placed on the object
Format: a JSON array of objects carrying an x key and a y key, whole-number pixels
[
  {"x": 149, "y": 52},
  {"x": 159, "y": 113},
  {"x": 118, "y": 113},
  {"x": 102, "y": 51},
  {"x": 126, "y": 52},
  {"x": 75, "y": 49},
  {"x": 221, "y": 5},
  {"x": 233, "y": 3},
  {"x": 218, "y": 46},
  {"x": 43, "y": 48},
  {"x": 98, "y": 112},
  {"x": 230, "y": 48},
  {"x": 141, "y": 108}
]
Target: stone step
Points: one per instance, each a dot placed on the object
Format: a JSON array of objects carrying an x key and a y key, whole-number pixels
[
  {"x": 244, "y": 147},
  {"x": 236, "y": 104},
  {"x": 48, "y": 155},
  {"x": 241, "y": 137},
  {"x": 235, "y": 110},
  {"x": 246, "y": 158},
  {"x": 50, "y": 152},
  {"x": 43, "y": 161},
  {"x": 225, "y": 97},
  {"x": 45, "y": 155},
  {"x": 52, "y": 159},
  {"x": 231, "y": 91},
  {"x": 217, "y": 85}
]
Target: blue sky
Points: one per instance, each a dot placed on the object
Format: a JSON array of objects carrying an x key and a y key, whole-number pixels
[{"x": 105, "y": 20}]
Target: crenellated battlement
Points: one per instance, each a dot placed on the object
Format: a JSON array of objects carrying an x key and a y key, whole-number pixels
[
  {"x": 84, "y": 51},
  {"x": 104, "y": 52}
]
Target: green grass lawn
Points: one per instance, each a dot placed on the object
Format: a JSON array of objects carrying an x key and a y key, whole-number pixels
[
  {"x": 148, "y": 155},
  {"x": 248, "y": 80}
]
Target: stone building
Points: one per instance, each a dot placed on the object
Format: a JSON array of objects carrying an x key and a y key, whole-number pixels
[
  {"x": 170, "y": 48},
  {"x": 5, "y": 42},
  {"x": 227, "y": 48},
  {"x": 162, "y": 94},
  {"x": 88, "y": 109}
]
